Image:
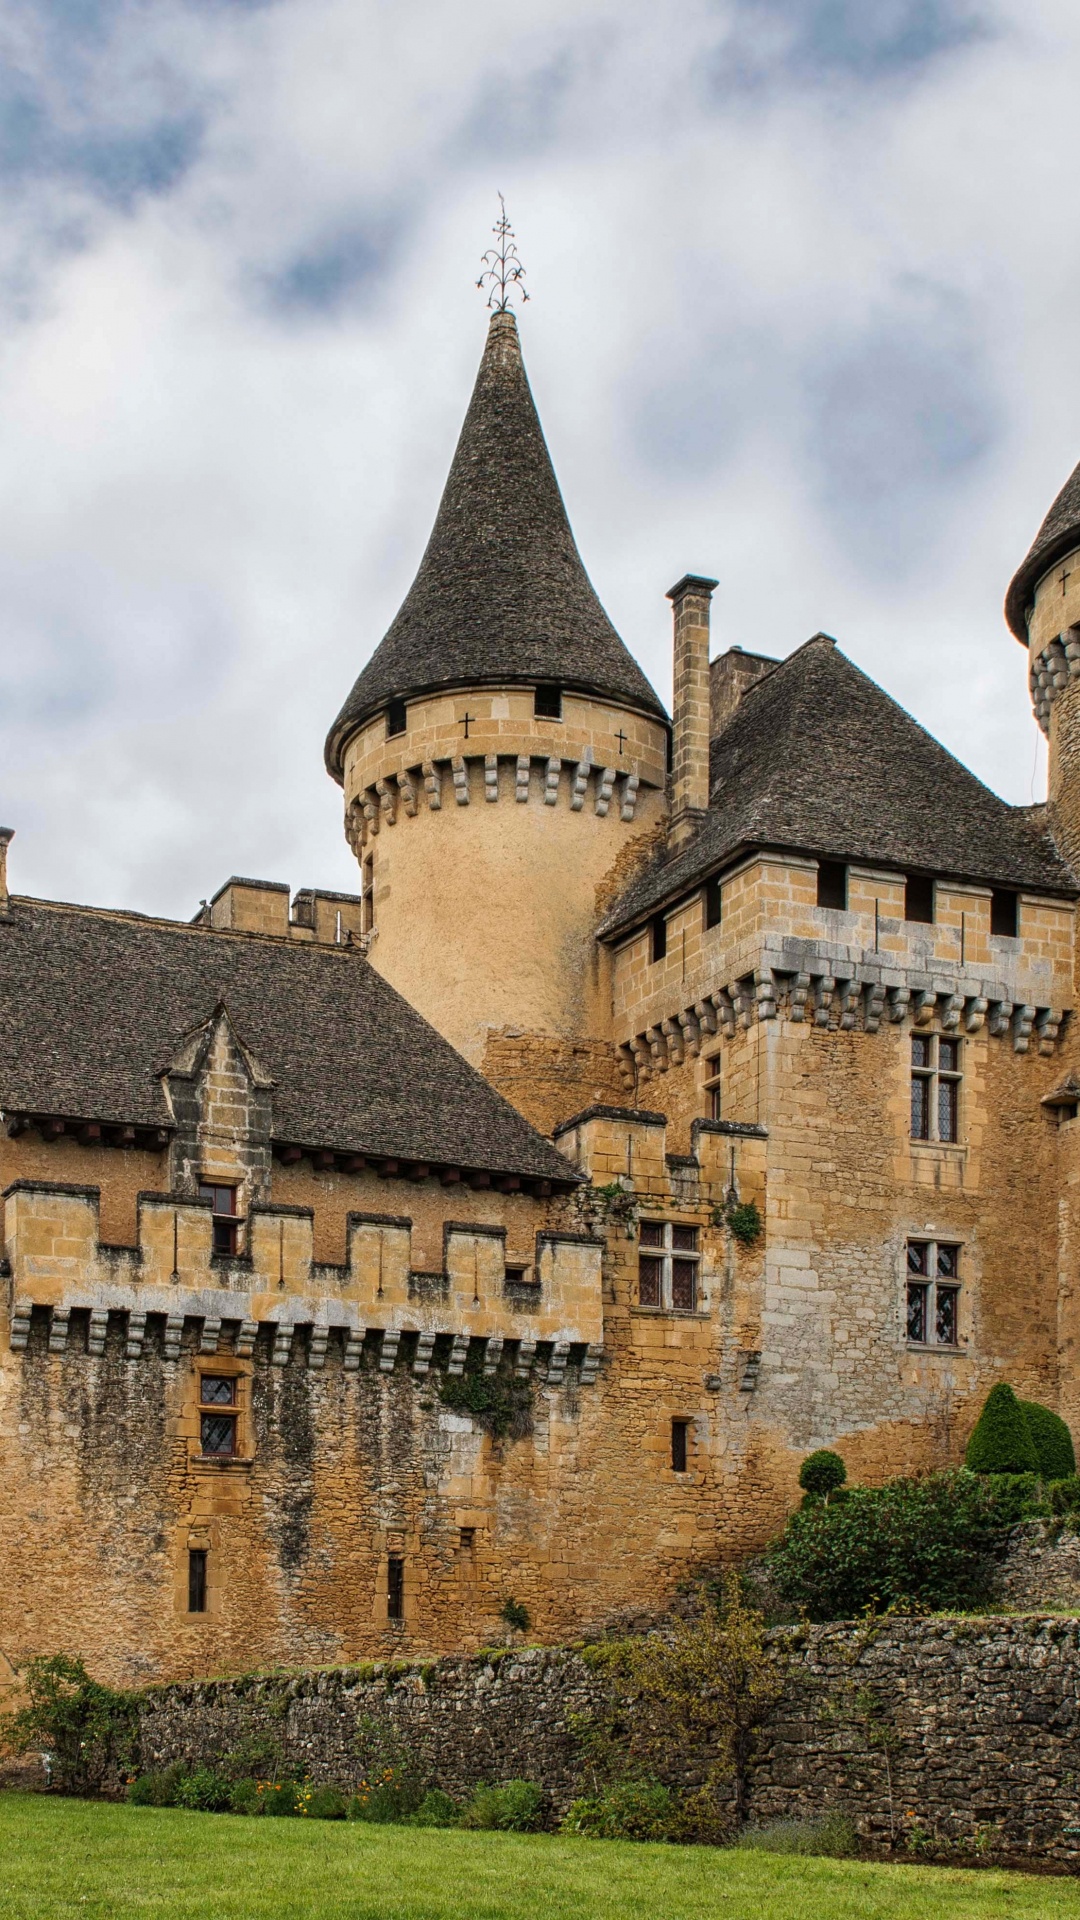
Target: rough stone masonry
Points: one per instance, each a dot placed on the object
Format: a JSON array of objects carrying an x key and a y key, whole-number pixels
[{"x": 961, "y": 1729}]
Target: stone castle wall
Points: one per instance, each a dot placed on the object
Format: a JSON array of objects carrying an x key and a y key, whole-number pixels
[{"x": 962, "y": 1729}]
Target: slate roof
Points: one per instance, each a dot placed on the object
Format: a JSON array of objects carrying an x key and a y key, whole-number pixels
[
  {"x": 501, "y": 594},
  {"x": 818, "y": 759},
  {"x": 95, "y": 1004},
  {"x": 1060, "y": 532}
]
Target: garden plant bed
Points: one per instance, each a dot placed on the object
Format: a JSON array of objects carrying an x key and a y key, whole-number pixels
[{"x": 75, "y": 1857}]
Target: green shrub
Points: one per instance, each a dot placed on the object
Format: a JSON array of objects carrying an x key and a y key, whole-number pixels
[
  {"x": 632, "y": 1810},
  {"x": 831, "y": 1836},
  {"x": 925, "y": 1544},
  {"x": 822, "y": 1472},
  {"x": 156, "y": 1789},
  {"x": 1064, "y": 1495},
  {"x": 436, "y": 1809},
  {"x": 279, "y": 1797},
  {"x": 1016, "y": 1496},
  {"x": 516, "y": 1615},
  {"x": 516, "y": 1807},
  {"x": 745, "y": 1222},
  {"x": 324, "y": 1803},
  {"x": 246, "y": 1797},
  {"x": 1052, "y": 1441},
  {"x": 1001, "y": 1440},
  {"x": 203, "y": 1791},
  {"x": 90, "y": 1731}
]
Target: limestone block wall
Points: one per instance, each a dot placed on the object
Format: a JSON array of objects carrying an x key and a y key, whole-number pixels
[
  {"x": 488, "y": 830},
  {"x": 982, "y": 1717}
]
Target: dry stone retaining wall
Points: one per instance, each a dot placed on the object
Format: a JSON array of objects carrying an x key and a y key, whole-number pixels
[{"x": 966, "y": 1729}]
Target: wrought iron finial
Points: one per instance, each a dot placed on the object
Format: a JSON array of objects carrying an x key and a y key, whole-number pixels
[{"x": 503, "y": 270}]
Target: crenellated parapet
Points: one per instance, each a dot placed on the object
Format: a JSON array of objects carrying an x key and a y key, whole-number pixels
[
  {"x": 376, "y": 1301},
  {"x": 805, "y": 982},
  {"x": 1053, "y": 668},
  {"x": 577, "y": 784}
]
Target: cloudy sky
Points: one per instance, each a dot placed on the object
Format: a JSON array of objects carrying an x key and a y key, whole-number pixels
[{"x": 805, "y": 285}]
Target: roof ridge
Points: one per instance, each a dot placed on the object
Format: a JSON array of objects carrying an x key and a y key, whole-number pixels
[{"x": 200, "y": 928}]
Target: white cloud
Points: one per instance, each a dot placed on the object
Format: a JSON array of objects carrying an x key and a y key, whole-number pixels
[{"x": 809, "y": 327}]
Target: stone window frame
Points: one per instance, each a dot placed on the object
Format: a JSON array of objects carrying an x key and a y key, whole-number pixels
[
  {"x": 668, "y": 1254},
  {"x": 933, "y": 1284},
  {"x": 939, "y": 1087},
  {"x": 226, "y": 1221},
  {"x": 222, "y": 1366},
  {"x": 712, "y": 1082}
]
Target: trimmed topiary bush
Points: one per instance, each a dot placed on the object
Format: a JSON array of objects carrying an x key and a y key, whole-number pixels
[
  {"x": 1052, "y": 1440},
  {"x": 822, "y": 1472},
  {"x": 1001, "y": 1441}
]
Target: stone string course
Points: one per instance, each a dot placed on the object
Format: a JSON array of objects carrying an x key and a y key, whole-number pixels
[{"x": 980, "y": 1717}]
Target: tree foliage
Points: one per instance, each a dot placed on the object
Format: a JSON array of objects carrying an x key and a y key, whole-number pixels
[
  {"x": 915, "y": 1544},
  {"x": 702, "y": 1686},
  {"x": 1001, "y": 1439},
  {"x": 1052, "y": 1441},
  {"x": 90, "y": 1732}
]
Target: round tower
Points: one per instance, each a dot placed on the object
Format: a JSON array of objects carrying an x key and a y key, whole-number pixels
[
  {"x": 1043, "y": 609},
  {"x": 503, "y": 757}
]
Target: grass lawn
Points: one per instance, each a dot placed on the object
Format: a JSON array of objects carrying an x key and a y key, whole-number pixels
[{"x": 61, "y": 1857}]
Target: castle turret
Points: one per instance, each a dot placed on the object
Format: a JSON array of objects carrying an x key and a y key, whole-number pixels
[
  {"x": 1042, "y": 607},
  {"x": 502, "y": 754}
]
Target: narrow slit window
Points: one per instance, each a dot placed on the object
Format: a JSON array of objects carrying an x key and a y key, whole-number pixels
[
  {"x": 714, "y": 901},
  {"x": 668, "y": 1262},
  {"x": 395, "y": 1587},
  {"x": 933, "y": 1293},
  {"x": 712, "y": 1085},
  {"x": 919, "y": 899},
  {"x": 679, "y": 1445},
  {"x": 832, "y": 884},
  {"x": 547, "y": 703},
  {"x": 1004, "y": 913},
  {"x": 196, "y": 1580},
  {"x": 396, "y": 718},
  {"x": 658, "y": 938}
]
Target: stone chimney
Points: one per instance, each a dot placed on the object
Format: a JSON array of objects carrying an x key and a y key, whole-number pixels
[
  {"x": 731, "y": 675},
  {"x": 7, "y": 835},
  {"x": 690, "y": 599}
]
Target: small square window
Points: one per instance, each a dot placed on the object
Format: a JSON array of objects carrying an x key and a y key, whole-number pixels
[
  {"x": 1004, "y": 912},
  {"x": 668, "y": 1276},
  {"x": 678, "y": 1445},
  {"x": 832, "y": 884},
  {"x": 226, "y": 1223},
  {"x": 396, "y": 718},
  {"x": 658, "y": 938},
  {"x": 217, "y": 1416},
  {"x": 467, "y": 1540},
  {"x": 714, "y": 901},
  {"x": 919, "y": 899},
  {"x": 547, "y": 703}
]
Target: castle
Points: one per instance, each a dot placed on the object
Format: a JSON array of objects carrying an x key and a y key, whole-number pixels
[{"x": 669, "y": 1099}]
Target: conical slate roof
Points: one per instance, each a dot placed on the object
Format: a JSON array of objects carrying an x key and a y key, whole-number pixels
[
  {"x": 818, "y": 759},
  {"x": 501, "y": 594},
  {"x": 1059, "y": 533}
]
